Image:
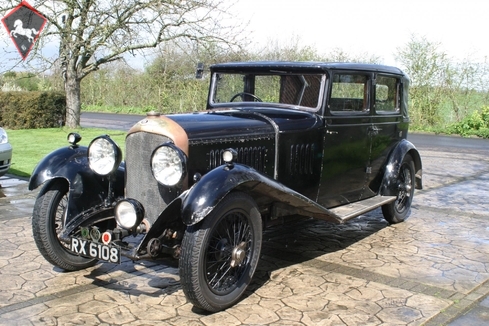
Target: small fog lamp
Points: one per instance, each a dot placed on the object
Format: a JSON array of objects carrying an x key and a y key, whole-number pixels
[
  {"x": 129, "y": 213},
  {"x": 74, "y": 138},
  {"x": 229, "y": 155}
]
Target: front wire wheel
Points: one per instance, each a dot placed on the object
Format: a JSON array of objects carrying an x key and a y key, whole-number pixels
[
  {"x": 220, "y": 254},
  {"x": 47, "y": 222},
  {"x": 398, "y": 210}
]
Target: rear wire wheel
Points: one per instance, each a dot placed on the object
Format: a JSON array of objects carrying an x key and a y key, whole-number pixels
[
  {"x": 220, "y": 254},
  {"x": 48, "y": 220},
  {"x": 398, "y": 210}
]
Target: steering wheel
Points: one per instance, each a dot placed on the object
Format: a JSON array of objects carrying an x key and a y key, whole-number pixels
[{"x": 243, "y": 94}]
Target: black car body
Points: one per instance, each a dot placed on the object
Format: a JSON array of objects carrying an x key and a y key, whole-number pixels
[{"x": 324, "y": 140}]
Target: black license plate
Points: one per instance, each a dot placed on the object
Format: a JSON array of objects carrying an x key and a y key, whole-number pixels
[{"x": 96, "y": 250}]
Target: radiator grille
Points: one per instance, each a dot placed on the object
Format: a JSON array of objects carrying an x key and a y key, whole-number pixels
[
  {"x": 140, "y": 183},
  {"x": 301, "y": 159},
  {"x": 251, "y": 156}
]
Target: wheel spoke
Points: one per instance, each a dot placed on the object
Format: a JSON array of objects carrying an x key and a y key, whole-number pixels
[
  {"x": 60, "y": 218},
  {"x": 216, "y": 283}
]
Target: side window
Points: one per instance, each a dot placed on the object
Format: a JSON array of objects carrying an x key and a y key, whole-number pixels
[
  {"x": 349, "y": 94},
  {"x": 387, "y": 95}
]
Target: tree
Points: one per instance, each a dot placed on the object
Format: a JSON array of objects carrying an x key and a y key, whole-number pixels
[
  {"x": 92, "y": 33},
  {"x": 288, "y": 50},
  {"x": 426, "y": 66}
]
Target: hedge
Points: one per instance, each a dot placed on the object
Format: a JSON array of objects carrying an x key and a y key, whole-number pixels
[{"x": 32, "y": 110}]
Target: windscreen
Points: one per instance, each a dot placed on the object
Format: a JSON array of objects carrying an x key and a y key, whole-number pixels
[{"x": 298, "y": 90}]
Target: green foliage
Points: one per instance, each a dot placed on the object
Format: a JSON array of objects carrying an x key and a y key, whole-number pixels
[
  {"x": 22, "y": 110},
  {"x": 426, "y": 65},
  {"x": 118, "y": 109},
  {"x": 476, "y": 124},
  {"x": 22, "y": 81},
  {"x": 167, "y": 85},
  {"x": 442, "y": 93},
  {"x": 292, "y": 51}
]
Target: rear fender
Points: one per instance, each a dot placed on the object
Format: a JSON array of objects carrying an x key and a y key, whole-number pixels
[
  {"x": 86, "y": 189},
  {"x": 391, "y": 174}
]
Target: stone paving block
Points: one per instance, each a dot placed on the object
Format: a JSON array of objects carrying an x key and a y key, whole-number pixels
[{"x": 428, "y": 269}]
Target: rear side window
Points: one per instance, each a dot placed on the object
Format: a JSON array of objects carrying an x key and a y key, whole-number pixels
[
  {"x": 387, "y": 95},
  {"x": 349, "y": 94}
]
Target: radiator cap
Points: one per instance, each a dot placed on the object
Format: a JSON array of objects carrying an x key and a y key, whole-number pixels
[{"x": 153, "y": 114}]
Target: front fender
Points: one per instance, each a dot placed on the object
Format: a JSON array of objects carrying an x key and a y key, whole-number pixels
[
  {"x": 64, "y": 162},
  {"x": 86, "y": 189},
  {"x": 204, "y": 196},
  {"x": 391, "y": 174},
  {"x": 208, "y": 192}
]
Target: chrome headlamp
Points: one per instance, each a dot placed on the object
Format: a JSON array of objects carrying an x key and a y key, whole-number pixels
[
  {"x": 168, "y": 164},
  {"x": 104, "y": 156}
]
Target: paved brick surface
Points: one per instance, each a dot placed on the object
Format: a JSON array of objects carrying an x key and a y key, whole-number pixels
[{"x": 428, "y": 270}]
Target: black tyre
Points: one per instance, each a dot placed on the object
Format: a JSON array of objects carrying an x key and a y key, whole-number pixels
[
  {"x": 398, "y": 210},
  {"x": 220, "y": 254},
  {"x": 47, "y": 221}
]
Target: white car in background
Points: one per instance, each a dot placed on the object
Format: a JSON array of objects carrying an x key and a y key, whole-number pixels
[{"x": 5, "y": 152}]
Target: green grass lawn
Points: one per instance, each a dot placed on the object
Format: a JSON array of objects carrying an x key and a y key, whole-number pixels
[{"x": 31, "y": 145}]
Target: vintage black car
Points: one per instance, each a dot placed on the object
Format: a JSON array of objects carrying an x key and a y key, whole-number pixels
[{"x": 278, "y": 139}]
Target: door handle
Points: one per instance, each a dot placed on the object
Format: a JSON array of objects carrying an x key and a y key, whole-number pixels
[{"x": 374, "y": 128}]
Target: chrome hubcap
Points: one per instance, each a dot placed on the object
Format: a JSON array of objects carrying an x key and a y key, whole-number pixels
[{"x": 238, "y": 255}]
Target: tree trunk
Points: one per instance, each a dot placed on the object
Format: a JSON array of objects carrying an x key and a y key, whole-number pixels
[{"x": 73, "y": 99}]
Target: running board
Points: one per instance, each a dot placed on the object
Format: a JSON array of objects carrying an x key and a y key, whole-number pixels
[
  {"x": 349, "y": 211},
  {"x": 339, "y": 214}
]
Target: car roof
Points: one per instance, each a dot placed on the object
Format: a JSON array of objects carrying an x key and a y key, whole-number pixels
[{"x": 303, "y": 66}]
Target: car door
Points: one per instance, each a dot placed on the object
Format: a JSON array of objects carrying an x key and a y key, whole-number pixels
[
  {"x": 347, "y": 142},
  {"x": 388, "y": 126}
]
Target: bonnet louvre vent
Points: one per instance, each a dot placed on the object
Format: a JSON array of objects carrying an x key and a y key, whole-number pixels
[
  {"x": 251, "y": 156},
  {"x": 301, "y": 159}
]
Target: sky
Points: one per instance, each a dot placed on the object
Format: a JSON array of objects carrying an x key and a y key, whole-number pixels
[{"x": 375, "y": 27}]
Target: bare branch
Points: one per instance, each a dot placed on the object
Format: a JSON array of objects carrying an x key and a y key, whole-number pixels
[{"x": 91, "y": 33}]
